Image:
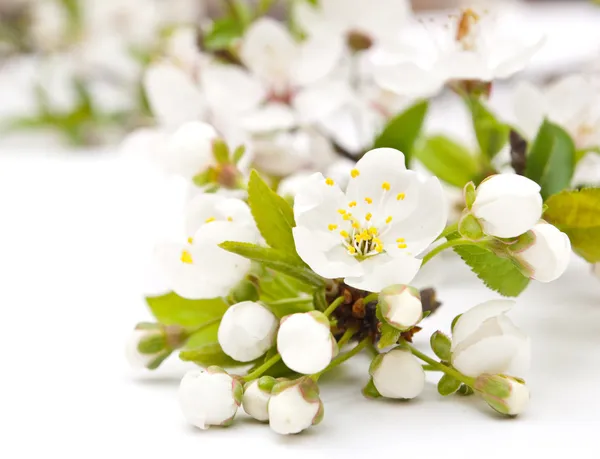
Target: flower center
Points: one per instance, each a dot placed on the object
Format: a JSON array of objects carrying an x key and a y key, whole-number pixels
[
  {"x": 466, "y": 31},
  {"x": 358, "y": 41}
]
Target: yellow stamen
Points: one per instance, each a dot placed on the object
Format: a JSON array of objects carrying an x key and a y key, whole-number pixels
[
  {"x": 329, "y": 181},
  {"x": 332, "y": 227},
  {"x": 369, "y": 200},
  {"x": 379, "y": 249},
  {"x": 344, "y": 233},
  {"x": 376, "y": 240},
  {"x": 400, "y": 197},
  {"x": 229, "y": 219},
  {"x": 210, "y": 219},
  {"x": 190, "y": 240},
  {"x": 373, "y": 230},
  {"x": 186, "y": 257},
  {"x": 400, "y": 239},
  {"x": 368, "y": 216},
  {"x": 354, "y": 173},
  {"x": 401, "y": 246},
  {"x": 355, "y": 225},
  {"x": 341, "y": 211},
  {"x": 389, "y": 219},
  {"x": 352, "y": 204},
  {"x": 352, "y": 250},
  {"x": 348, "y": 217},
  {"x": 385, "y": 186}
]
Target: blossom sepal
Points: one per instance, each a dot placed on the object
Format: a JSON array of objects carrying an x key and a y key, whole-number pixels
[
  {"x": 470, "y": 228},
  {"x": 506, "y": 394},
  {"x": 370, "y": 391},
  {"x": 151, "y": 343},
  {"x": 401, "y": 306}
]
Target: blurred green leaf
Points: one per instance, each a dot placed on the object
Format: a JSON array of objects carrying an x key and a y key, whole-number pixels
[
  {"x": 448, "y": 160},
  {"x": 492, "y": 135},
  {"x": 171, "y": 309},
  {"x": 208, "y": 354}
]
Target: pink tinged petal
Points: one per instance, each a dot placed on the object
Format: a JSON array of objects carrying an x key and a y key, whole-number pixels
[
  {"x": 550, "y": 254},
  {"x": 231, "y": 89},
  {"x": 471, "y": 320},
  {"x": 269, "y": 118},
  {"x": 409, "y": 79},
  {"x": 173, "y": 97},
  {"x": 318, "y": 101},
  {"x": 325, "y": 254},
  {"x": 530, "y": 108},
  {"x": 383, "y": 270}
]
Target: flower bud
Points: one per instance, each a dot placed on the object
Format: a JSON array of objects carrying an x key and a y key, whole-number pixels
[
  {"x": 507, "y": 205},
  {"x": 546, "y": 258},
  {"x": 295, "y": 406},
  {"x": 150, "y": 344},
  {"x": 247, "y": 331},
  {"x": 505, "y": 394},
  {"x": 256, "y": 397},
  {"x": 401, "y": 306},
  {"x": 209, "y": 397},
  {"x": 397, "y": 374},
  {"x": 305, "y": 342}
]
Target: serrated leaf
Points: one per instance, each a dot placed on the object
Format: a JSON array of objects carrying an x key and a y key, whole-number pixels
[
  {"x": 447, "y": 385},
  {"x": 441, "y": 344},
  {"x": 389, "y": 336},
  {"x": 273, "y": 215},
  {"x": 577, "y": 213},
  {"x": 276, "y": 260},
  {"x": 207, "y": 355},
  {"x": 448, "y": 160},
  {"x": 551, "y": 159},
  {"x": 402, "y": 131},
  {"x": 171, "y": 309},
  {"x": 491, "y": 134}
]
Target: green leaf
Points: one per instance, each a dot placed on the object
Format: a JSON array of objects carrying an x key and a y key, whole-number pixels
[
  {"x": 448, "y": 160},
  {"x": 207, "y": 355},
  {"x": 273, "y": 215},
  {"x": 285, "y": 307},
  {"x": 402, "y": 131},
  {"x": 276, "y": 260},
  {"x": 447, "y": 385},
  {"x": 222, "y": 34},
  {"x": 389, "y": 336},
  {"x": 491, "y": 134},
  {"x": 577, "y": 213},
  {"x": 171, "y": 309},
  {"x": 441, "y": 344},
  {"x": 551, "y": 159},
  {"x": 207, "y": 334}
]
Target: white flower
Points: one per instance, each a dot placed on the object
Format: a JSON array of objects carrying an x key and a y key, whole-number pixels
[
  {"x": 547, "y": 258},
  {"x": 484, "y": 340},
  {"x": 338, "y": 171},
  {"x": 294, "y": 406},
  {"x": 189, "y": 151},
  {"x": 472, "y": 46},
  {"x": 572, "y": 102},
  {"x": 505, "y": 394},
  {"x": 199, "y": 268},
  {"x": 209, "y": 397},
  {"x": 371, "y": 234},
  {"x": 49, "y": 24},
  {"x": 305, "y": 342},
  {"x": 397, "y": 374},
  {"x": 507, "y": 205},
  {"x": 401, "y": 306},
  {"x": 255, "y": 400},
  {"x": 247, "y": 331}
]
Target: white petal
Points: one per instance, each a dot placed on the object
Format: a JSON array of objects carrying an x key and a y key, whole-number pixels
[
  {"x": 569, "y": 99},
  {"x": 382, "y": 270},
  {"x": 471, "y": 320},
  {"x": 318, "y": 101},
  {"x": 218, "y": 207},
  {"x": 271, "y": 117},
  {"x": 230, "y": 89},
  {"x": 290, "y": 413},
  {"x": 515, "y": 58},
  {"x": 317, "y": 58},
  {"x": 173, "y": 97},
  {"x": 318, "y": 203},
  {"x": 530, "y": 108},
  {"x": 400, "y": 375},
  {"x": 189, "y": 149},
  {"x": 409, "y": 79},
  {"x": 255, "y": 402},
  {"x": 490, "y": 355},
  {"x": 464, "y": 65},
  {"x": 550, "y": 253}
]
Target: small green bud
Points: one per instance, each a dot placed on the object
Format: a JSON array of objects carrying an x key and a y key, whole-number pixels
[
  {"x": 470, "y": 228},
  {"x": 441, "y": 344},
  {"x": 266, "y": 383},
  {"x": 470, "y": 194}
]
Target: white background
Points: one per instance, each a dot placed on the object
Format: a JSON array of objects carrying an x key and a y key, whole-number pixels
[{"x": 76, "y": 232}]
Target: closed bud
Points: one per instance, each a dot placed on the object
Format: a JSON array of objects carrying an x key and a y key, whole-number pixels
[
  {"x": 505, "y": 394},
  {"x": 397, "y": 374},
  {"x": 295, "y": 406},
  {"x": 150, "y": 344},
  {"x": 507, "y": 205},
  {"x": 210, "y": 397},
  {"x": 256, "y": 397},
  {"x": 247, "y": 331},
  {"x": 401, "y": 306},
  {"x": 546, "y": 257}
]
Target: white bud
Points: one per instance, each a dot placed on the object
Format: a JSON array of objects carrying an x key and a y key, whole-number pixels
[
  {"x": 137, "y": 358},
  {"x": 255, "y": 401},
  {"x": 548, "y": 257},
  {"x": 295, "y": 406},
  {"x": 305, "y": 342},
  {"x": 190, "y": 149},
  {"x": 507, "y": 205},
  {"x": 209, "y": 397},
  {"x": 397, "y": 374},
  {"x": 505, "y": 394},
  {"x": 401, "y": 306},
  {"x": 247, "y": 331},
  {"x": 484, "y": 340}
]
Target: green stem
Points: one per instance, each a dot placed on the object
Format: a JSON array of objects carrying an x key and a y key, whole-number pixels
[
  {"x": 440, "y": 366},
  {"x": 371, "y": 297},
  {"x": 346, "y": 337},
  {"x": 320, "y": 300},
  {"x": 448, "y": 230},
  {"x": 299, "y": 299},
  {"x": 429, "y": 368},
  {"x": 342, "y": 358},
  {"x": 446, "y": 245},
  {"x": 264, "y": 367},
  {"x": 333, "y": 306}
]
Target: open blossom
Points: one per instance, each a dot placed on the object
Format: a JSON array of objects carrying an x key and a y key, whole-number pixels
[
  {"x": 294, "y": 406},
  {"x": 507, "y": 205},
  {"x": 247, "y": 331},
  {"x": 547, "y": 258},
  {"x": 572, "y": 102},
  {"x": 472, "y": 46},
  {"x": 199, "y": 268},
  {"x": 397, "y": 374},
  {"x": 209, "y": 397},
  {"x": 371, "y": 234},
  {"x": 484, "y": 340}
]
